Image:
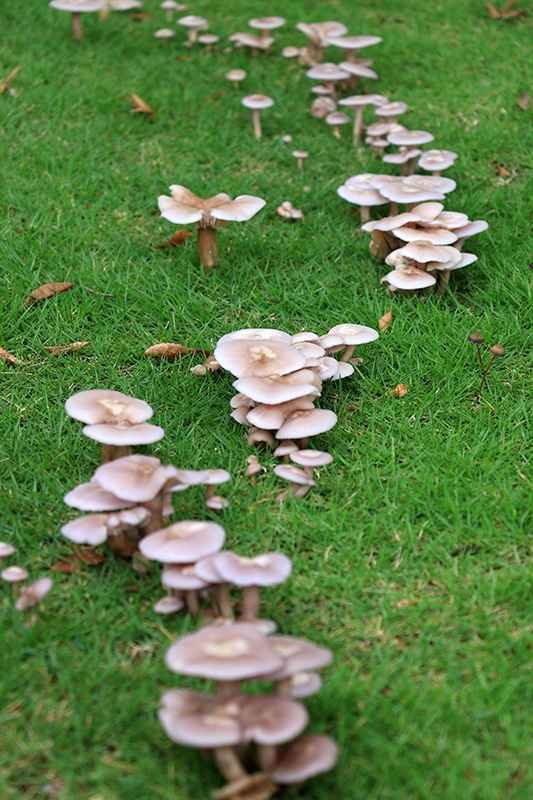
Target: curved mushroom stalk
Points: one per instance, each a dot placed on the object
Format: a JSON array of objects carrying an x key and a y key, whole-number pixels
[{"x": 207, "y": 247}]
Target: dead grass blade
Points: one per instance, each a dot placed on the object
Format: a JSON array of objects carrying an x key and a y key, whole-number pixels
[
  {"x": 64, "y": 349},
  {"x": 9, "y": 80},
  {"x": 138, "y": 105}
]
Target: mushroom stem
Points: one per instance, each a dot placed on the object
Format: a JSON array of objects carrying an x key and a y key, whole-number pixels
[
  {"x": 257, "y": 123},
  {"x": 169, "y": 15},
  {"x": 303, "y": 443},
  {"x": 236, "y": 85},
  {"x": 300, "y": 163},
  {"x": 481, "y": 385},
  {"x": 229, "y": 763},
  {"x": 191, "y": 598},
  {"x": 444, "y": 279},
  {"x": 282, "y": 688},
  {"x": 267, "y": 755},
  {"x": 358, "y": 124},
  {"x": 155, "y": 507},
  {"x": 77, "y": 31},
  {"x": 225, "y": 605},
  {"x": 227, "y": 690},
  {"x": 348, "y": 353},
  {"x": 250, "y": 602},
  {"x": 365, "y": 213},
  {"x": 207, "y": 246},
  {"x": 336, "y": 132},
  {"x": 123, "y": 540},
  {"x": 110, "y": 452},
  {"x": 393, "y": 208}
]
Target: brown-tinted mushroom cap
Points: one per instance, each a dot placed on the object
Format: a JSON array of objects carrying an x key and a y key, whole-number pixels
[
  {"x": 304, "y": 758},
  {"x": 261, "y": 359},
  {"x": 301, "y": 424},
  {"x": 124, "y": 433},
  {"x": 268, "y": 569},
  {"x": 183, "y": 542},
  {"x": 101, "y": 405},
  {"x": 230, "y": 652},
  {"x": 33, "y": 594}
]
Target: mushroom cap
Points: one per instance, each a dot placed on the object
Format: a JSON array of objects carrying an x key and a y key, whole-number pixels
[
  {"x": 337, "y": 118},
  {"x": 422, "y": 252},
  {"x": 323, "y": 106},
  {"x": 305, "y": 684},
  {"x": 230, "y": 652},
  {"x": 169, "y": 604},
  {"x": 206, "y": 731},
  {"x": 290, "y": 52},
  {"x": 77, "y": 6},
  {"x": 391, "y": 109},
  {"x": 304, "y": 758},
  {"x": 90, "y": 529},
  {"x": 256, "y": 333},
  {"x": 410, "y": 138},
  {"x": 471, "y": 228},
  {"x": 268, "y": 569},
  {"x": 285, "y": 448},
  {"x": 270, "y": 720},
  {"x": 290, "y": 473},
  {"x": 433, "y": 235},
  {"x": 192, "y": 21},
  {"x": 236, "y": 75},
  {"x": 278, "y": 388},
  {"x": 182, "y": 577},
  {"x": 267, "y": 23},
  {"x": 465, "y": 261},
  {"x": 359, "y": 70},
  {"x": 327, "y": 72},
  {"x": 354, "y": 334},
  {"x": 301, "y": 424},
  {"x": 364, "y": 180},
  {"x": 357, "y": 100},
  {"x": 92, "y": 497},
  {"x": 318, "y": 32},
  {"x": 250, "y": 358},
  {"x": 215, "y": 477},
  {"x": 164, "y": 33},
  {"x": 271, "y": 417},
  {"x": 361, "y": 197},
  {"x": 328, "y": 366},
  {"x": 401, "y": 192},
  {"x": 401, "y": 158},
  {"x": 216, "y": 502},
  {"x": 208, "y": 38},
  {"x": 257, "y": 101},
  {"x": 243, "y": 208},
  {"x": 251, "y": 40},
  {"x": 353, "y": 42},
  {"x": 136, "y": 478},
  {"x": 436, "y": 182},
  {"x": 14, "y": 574},
  {"x": 6, "y": 549},
  {"x": 300, "y": 154},
  {"x": 437, "y": 159},
  {"x": 378, "y": 129},
  {"x": 32, "y": 594},
  {"x": 393, "y": 223},
  {"x": 104, "y": 405},
  {"x": 409, "y": 278},
  {"x": 311, "y": 458},
  {"x": 298, "y": 655},
  {"x": 183, "y": 542},
  {"x": 124, "y": 433}
]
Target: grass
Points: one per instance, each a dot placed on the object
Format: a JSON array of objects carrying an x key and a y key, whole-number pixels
[{"x": 412, "y": 558}]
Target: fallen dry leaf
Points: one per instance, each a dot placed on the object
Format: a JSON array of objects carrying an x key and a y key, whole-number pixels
[
  {"x": 66, "y": 565},
  {"x": 5, "y": 356},
  {"x": 401, "y": 390},
  {"x": 506, "y": 12},
  {"x": 385, "y": 320},
  {"x": 176, "y": 239},
  {"x": 62, "y": 349},
  {"x": 142, "y": 15},
  {"x": 524, "y": 101},
  {"x": 172, "y": 351},
  {"x": 9, "y": 80},
  {"x": 492, "y": 11},
  {"x": 138, "y": 105},
  {"x": 89, "y": 557},
  {"x": 502, "y": 171},
  {"x": 47, "y": 290}
]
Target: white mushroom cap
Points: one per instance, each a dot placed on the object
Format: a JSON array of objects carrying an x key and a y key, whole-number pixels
[
  {"x": 290, "y": 52},
  {"x": 136, "y": 478},
  {"x": 208, "y": 38},
  {"x": 91, "y": 497},
  {"x": 256, "y": 333},
  {"x": 279, "y": 388},
  {"x": 359, "y": 70},
  {"x": 14, "y": 574},
  {"x": 216, "y": 502},
  {"x": 182, "y": 577},
  {"x": 77, "y": 6},
  {"x": 271, "y": 417},
  {"x": 411, "y": 138},
  {"x": 438, "y": 183},
  {"x": 268, "y": 569},
  {"x": 354, "y": 334},
  {"x": 192, "y": 21},
  {"x": 229, "y": 652},
  {"x": 433, "y": 235},
  {"x": 90, "y": 529},
  {"x": 378, "y": 129},
  {"x": 318, "y": 32},
  {"x": 353, "y": 42},
  {"x": 392, "y": 223},
  {"x": 328, "y": 366},
  {"x": 409, "y": 278},
  {"x": 32, "y": 594},
  {"x": 422, "y": 252},
  {"x": 327, "y": 72},
  {"x": 301, "y": 424},
  {"x": 361, "y": 197},
  {"x": 311, "y": 458},
  {"x": 264, "y": 358},
  {"x": 6, "y": 549},
  {"x": 102, "y": 405},
  {"x": 169, "y": 604},
  {"x": 356, "y": 100},
  {"x": 305, "y": 684},
  {"x": 183, "y": 542},
  {"x": 164, "y": 33},
  {"x": 124, "y": 433},
  {"x": 364, "y": 180},
  {"x": 471, "y": 228},
  {"x": 285, "y": 448},
  {"x": 401, "y": 192},
  {"x": 298, "y": 655},
  {"x": 293, "y": 474},
  {"x": 323, "y": 106},
  {"x": 236, "y": 75},
  {"x": 401, "y": 158},
  {"x": 304, "y": 758},
  {"x": 437, "y": 159},
  {"x": 337, "y": 118},
  {"x": 257, "y": 101},
  {"x": 267, "y": 23},
  {"x": 391, "y": 109},
  {"x": 251, "y": 40}
]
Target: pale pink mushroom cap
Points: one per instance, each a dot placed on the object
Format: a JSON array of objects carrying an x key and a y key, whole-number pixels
[
  {"x": 311, "y": 458},
  {"x": 391, "y": 109},
  {"x": 77, "y": 6},
  {"x": 268, "y": 569},
  {"x": 236, "y": 75},
  {"x": 318, "y": 32},
  {"x": 391, "y": 223},
  {"x": 298, "y": 655},
  {"x": 293, "y": 474},
  {"x": 124, "y": 433},
  {"x": 361, "y": 197},
  {"x": 270, "y": 720},
  {"x": 365, "y": 180},
  {"x": 304, "y": 758},
  {"x": 271, "y": 417},
  {"x": 245, "y": 358},
  {"x": 169, "y": 604},
  {"x": 257, "y": 101},
  {"x": 136, "y": 478},
  {"x": 402, "y": 192},
  {"x": 353, "y": 42},
  {"x": 471, "y": 228},
  {"x": 230, "y": 652},
  {"x": 433, "y": 235},
  {"x": 354, "y": 334},
  {"x": 305, "y": 684},
  {"x": 267, "y": 23},
  {"x": 422, "y": 252},
  {"x": 256, "y": 333},
  {"x": 164, "y": 33},
  {"x": 359, "y": 70},
  {"x": 436, "y": 182},
  {"x": 409, "y": 278},
  {"x": 101, "y": 405},
  {"x": 437, "y": 159},
  {"x": 327, "y": 72},
  {"x": 278, "y": 388},
  {"x": 410, "y": 138},
  {"x": 6, "y": 549},
  {"x": 182, "y": 577},
  {"x": 337, "y": 118},
  {"x": 183, "y": 542},
  {"x": 216, "y": 728},
  {"x": 33, "y": 594},
  {"x": 301, "y": 424},
  {"x": 92, "y": 497},
  {"x": 14, "y": 574},
  {"x": 90, "y": 529}
]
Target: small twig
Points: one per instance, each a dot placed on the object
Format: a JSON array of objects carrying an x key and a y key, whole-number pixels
[{"x": 92, "y": 291}]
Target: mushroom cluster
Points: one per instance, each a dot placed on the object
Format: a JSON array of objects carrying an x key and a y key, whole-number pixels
[
  {"x": 240, "y": 729},
  {"x": 26, "y": 597},
  {"x": 279, "y": 377}
]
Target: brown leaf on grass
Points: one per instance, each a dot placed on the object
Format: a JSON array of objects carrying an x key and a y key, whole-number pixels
[
  {"x": 492, "y": 11},
  {"x": 47, "y": 290},
  {"x": 401, "y": 390},
  {"x": 524, "y": 101},
  {"x": 89, "y": 557},
  {"x": 66, "y": 565},
  {"x": 141, "y": 15},
  {"x": 176, "y": 239},
  {"x": 502, "y": 171},
  {"x": 172, "y": 351},
  {"x": 9, "y": 80},
  {"x": 385, "y": 320},
  {"x": 63, "y": 349},
  {"x": 9, "y": 357},
  {"x": 138, "y": 105}
]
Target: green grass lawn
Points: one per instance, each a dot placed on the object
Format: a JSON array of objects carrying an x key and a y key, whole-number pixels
[{"x": 412, "y": 557}]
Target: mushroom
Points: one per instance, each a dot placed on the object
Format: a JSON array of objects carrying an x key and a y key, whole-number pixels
[
  {"x": 356, "y": 71},
  {"x": 270, "y": 721},
  {"x": 317, "y": 34},
  {"x": 323, "y": 106},
  {"x": 288, "y": 211},
  {"x": 262, "y": 359},
  {"x": 6, "y": 549},
  {"x": 169, "y": 604},
  {"x": 236, "y": 76},
  {"x": 365, "y": 198},
  {"x": 298, "y": 478},
  {"x": 194, "y": 25},
  {"x": 184, "y": 542},
  {"x": 336, "y": 119},
  {"x": 266, "y": 24},
  {"x": 358, "y": 103},
  {"x": 298, "y": 655},
  {"x": 304, "y": 758},
  {"x": 268, "y": 569},
  {"x": 409, "y": 279},
  {"x": 329, "y": 74},
  {"x": 208, "y": 39},
  {"x": 255, "y": 43},
  {"x": 301, "y": 424},
  {"x": 14, "y": 575},
  {"x": 215, "y": 477},
  {"x": 257, "y": 102},
  {"x": 183, "y": 578},
  {"x": 169, "y": 6},
  {"x": 184, "y": 207},
  {"x": 300, "y": 155},
  {"x": 435, "y": 161},
  {"x": 76, "y": 9},
  {"x": 32, "y": 594},
  {"x": 391, "y": 111},
  {"x": 350, "y": 45},
  {"x": 310, "y": 459}
]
